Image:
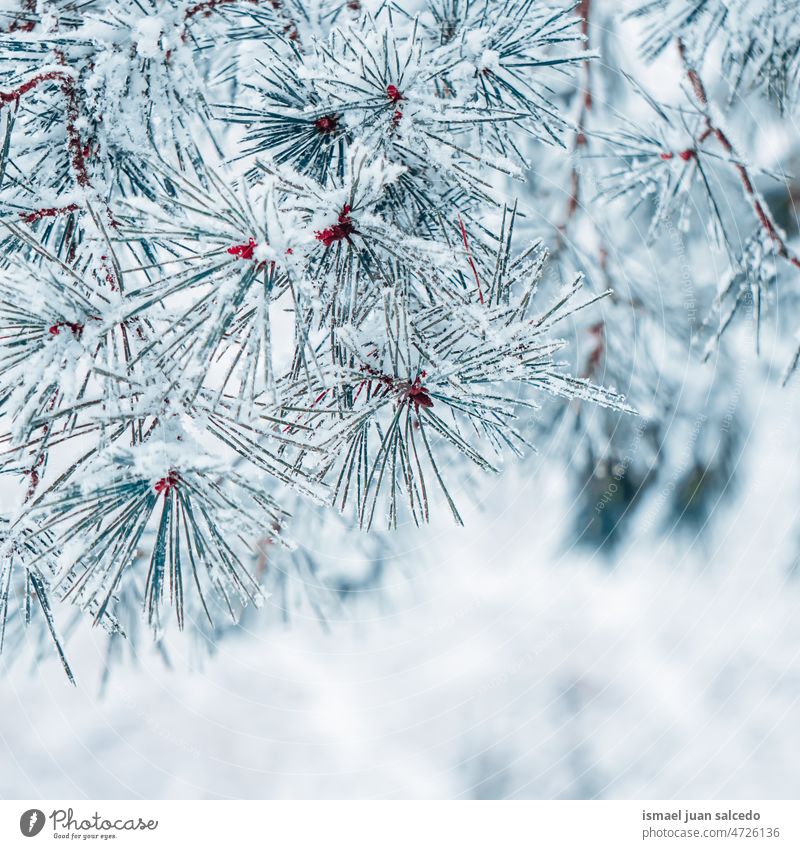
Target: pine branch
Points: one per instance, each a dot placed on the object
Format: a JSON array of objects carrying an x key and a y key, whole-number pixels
[{"x": 762, "y": 215}]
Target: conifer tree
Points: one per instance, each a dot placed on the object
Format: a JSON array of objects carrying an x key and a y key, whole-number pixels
[{"x": 262, "y": 264}]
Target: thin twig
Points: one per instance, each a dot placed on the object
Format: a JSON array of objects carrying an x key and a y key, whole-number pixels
[{"x": 761, "y": 213}]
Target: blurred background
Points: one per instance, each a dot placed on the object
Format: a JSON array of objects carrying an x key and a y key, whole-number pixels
[{"x": 508, "y": 665}]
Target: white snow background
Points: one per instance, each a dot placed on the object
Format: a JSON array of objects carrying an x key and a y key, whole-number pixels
[{"x": 506, "y": 667}]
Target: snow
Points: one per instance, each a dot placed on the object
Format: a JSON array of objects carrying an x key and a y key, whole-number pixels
[
  {"x": 503, "y": 665},
  {"x": 503, "y": 660}
]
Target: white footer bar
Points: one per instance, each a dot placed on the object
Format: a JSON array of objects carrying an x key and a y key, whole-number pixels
[{"x": 402, "y": 825}]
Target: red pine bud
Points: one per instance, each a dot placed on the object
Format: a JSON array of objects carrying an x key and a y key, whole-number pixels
[{"x": 243, "y": 251}]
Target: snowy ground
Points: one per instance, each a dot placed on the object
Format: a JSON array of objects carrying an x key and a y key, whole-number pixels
[{"x": 509, "y": 667}]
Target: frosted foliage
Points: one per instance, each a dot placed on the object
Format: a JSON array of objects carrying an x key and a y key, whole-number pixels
[
  {"x": 281, "y": 271},
  {"x": 420, "y": 373},
  {"x": 260, "y": 256}
]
